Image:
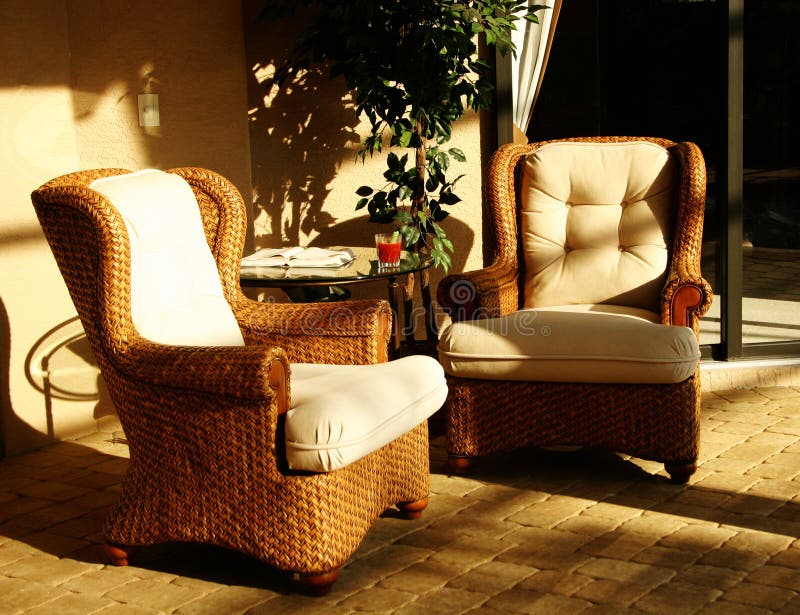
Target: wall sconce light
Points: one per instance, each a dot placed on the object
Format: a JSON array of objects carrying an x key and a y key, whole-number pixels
[{"x": 148, "y": 110}]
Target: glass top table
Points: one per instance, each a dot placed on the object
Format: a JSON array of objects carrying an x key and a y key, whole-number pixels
[{"x": 364, "y": 268}]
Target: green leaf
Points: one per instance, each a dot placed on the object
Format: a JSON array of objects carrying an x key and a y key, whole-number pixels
[
  {"x": 404, "y": 192},
  {"x": 410, "y": 234},
  {"x": 364, "y": 191},
  {"x": 441, "y": 259},
  {"x": 404, "y": 139},
  {"x": 404, "y": 217},
  {"x": 361, "y": 203},
  {"x": 457, "y": 154},
  {"x": 393, "y": 175}
]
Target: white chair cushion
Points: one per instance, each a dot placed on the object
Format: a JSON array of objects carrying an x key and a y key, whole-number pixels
[
  {"x": 594, "y": 223},
  {"x": 587, "y": 343},
  {"x": 341, "y": 413},
  {"x": 176, "y": 293}
]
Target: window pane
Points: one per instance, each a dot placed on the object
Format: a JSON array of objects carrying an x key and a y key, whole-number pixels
[{"x": 771, "y": 274}]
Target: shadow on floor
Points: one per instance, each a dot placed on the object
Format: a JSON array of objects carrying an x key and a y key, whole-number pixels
[
  {"x": 605, "y": 476},
  {"x": 55, "y": 501}
]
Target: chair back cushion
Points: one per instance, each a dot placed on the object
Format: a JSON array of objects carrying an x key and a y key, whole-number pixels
[
  {"x": 595, "y": 223},
  {"x": 176, "y": 293}
]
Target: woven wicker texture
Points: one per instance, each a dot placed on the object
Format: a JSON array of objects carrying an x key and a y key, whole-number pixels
[
  {"x": 657, "y": 422},
  {"x": 204, "y": 424}
]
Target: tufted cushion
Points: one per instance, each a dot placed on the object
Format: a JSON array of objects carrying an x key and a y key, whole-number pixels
[
  {"x": 176, "y": 293},
  {"x": 586, "y": 343},
  {"x": 594, "y": 223},
  {"x": 340, "y": 413}
]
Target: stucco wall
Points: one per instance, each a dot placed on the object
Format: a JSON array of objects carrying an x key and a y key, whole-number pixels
[{"x": 70, "y": 74}]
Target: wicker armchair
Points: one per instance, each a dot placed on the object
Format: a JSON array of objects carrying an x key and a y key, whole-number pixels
[
  {"x": 205, "y": 425},
  {"x": 503, "y": 403}
]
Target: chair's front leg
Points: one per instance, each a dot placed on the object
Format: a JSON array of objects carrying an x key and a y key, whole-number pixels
[
  {"x": 459, "y": 465},
  {"x": 412, "y": 510},
  {"x": 119, "y": 555},
  {"x": 317, "y": 584},
  {"x": 680, "y": 471}
]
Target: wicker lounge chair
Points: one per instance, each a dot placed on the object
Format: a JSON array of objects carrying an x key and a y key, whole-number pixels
[
  {"x": 554, "y": 343},
  {"x": 207, "y": 423}
]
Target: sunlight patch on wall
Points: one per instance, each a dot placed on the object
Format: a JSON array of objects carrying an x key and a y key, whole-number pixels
[{"x": 38, "y": 129}]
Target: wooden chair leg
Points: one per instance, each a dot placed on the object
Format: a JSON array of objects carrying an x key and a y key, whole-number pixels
[
  {"x": 412, "y": 510},
  {"x": 118, "y": 555},
  {"x": 680, "y": 471},
  {"x": 317, "y": 584},
  {"x": 459, "y": 464}
]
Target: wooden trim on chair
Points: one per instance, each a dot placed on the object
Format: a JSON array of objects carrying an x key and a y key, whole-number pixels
[
  {"x": 685, "y": 300},
  {"x": 384, "y": 335},
  {"x": 278, "y": 379}
]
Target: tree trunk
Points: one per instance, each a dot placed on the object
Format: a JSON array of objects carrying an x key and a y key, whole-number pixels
[{"x": 418, "y": 198}]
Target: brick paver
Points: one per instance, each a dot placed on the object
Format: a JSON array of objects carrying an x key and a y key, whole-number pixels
[{"x": 534, "y": 532}]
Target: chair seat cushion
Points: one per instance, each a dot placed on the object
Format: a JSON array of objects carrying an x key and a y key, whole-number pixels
[
  {"x": 576, "y": 343},
  {"x": 340, "y": 413}
]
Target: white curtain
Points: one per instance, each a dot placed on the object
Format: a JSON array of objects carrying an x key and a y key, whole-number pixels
[{"x": 533, "y": 42}]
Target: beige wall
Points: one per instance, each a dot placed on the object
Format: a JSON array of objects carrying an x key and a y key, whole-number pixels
[{"x": 70, "y": 74}]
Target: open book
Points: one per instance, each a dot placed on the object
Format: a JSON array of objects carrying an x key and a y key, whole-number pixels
[{"x": 298, "y": 257}]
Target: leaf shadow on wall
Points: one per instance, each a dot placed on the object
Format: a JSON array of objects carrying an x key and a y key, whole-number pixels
[{"x": 299, "y": 136}]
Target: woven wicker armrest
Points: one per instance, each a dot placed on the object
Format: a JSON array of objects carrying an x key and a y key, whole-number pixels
[
  {"x": 686, "y": 296},
  {"x": 347, "y": 332},
  {"x": 244, "y": 372},
  {"x": 485, "y": 293}
]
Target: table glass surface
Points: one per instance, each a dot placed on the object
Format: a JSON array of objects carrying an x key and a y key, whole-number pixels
[{"x": 364, "y": 267}]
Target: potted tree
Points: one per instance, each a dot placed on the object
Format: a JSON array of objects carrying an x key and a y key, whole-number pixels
[{"x": 414, "y": 69}]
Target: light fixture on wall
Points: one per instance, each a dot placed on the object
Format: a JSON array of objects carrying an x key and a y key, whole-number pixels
[{"x": 148, "y": 110}]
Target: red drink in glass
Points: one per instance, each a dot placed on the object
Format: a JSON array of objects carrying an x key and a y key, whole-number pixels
[{"x": 388, "y": 246}]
